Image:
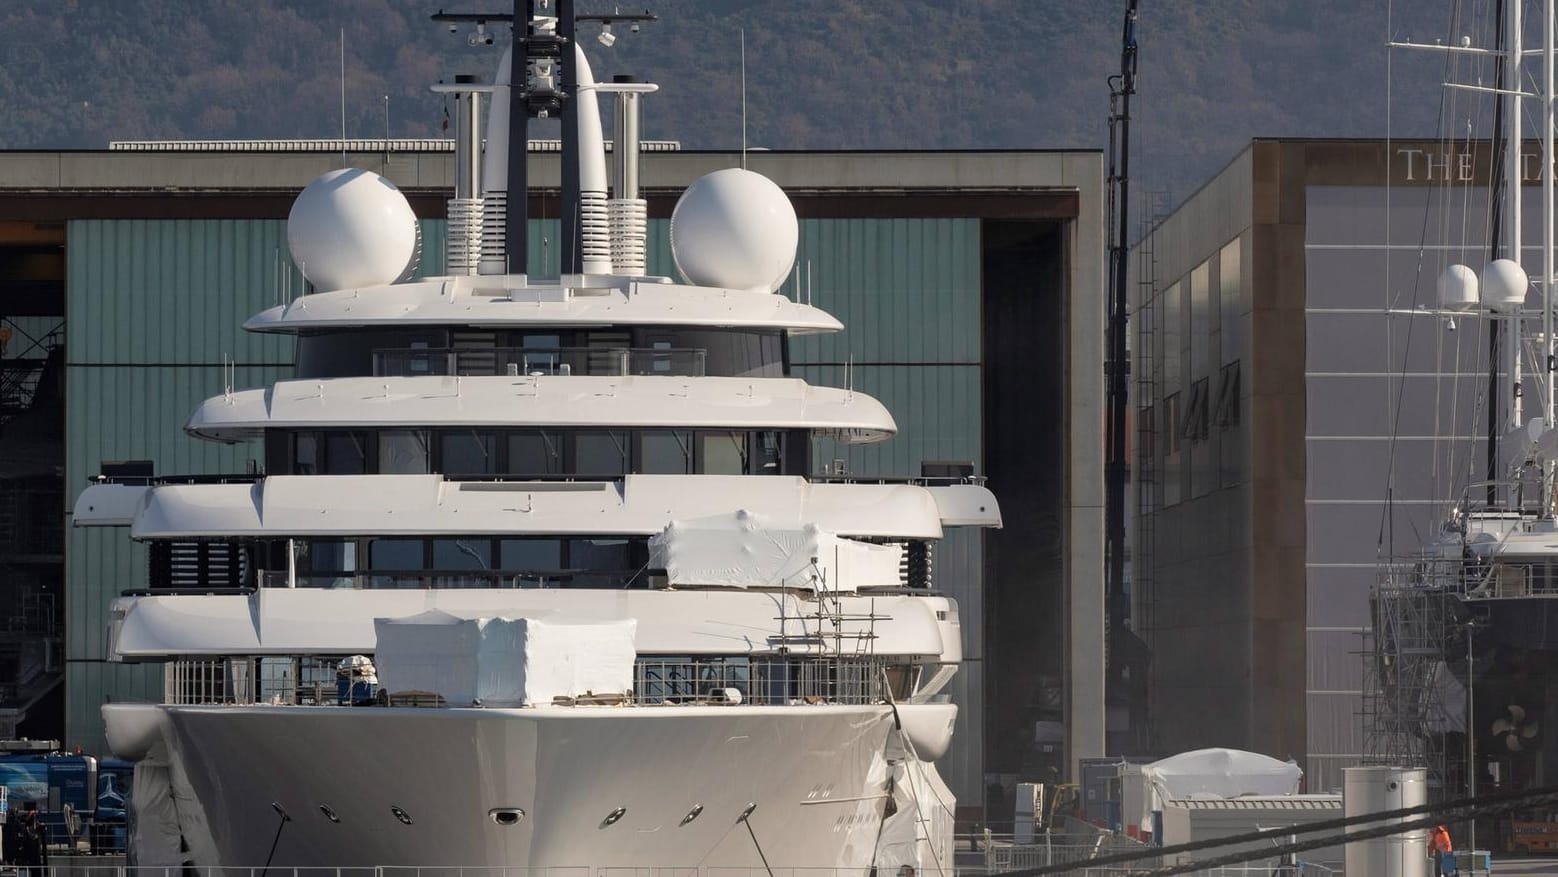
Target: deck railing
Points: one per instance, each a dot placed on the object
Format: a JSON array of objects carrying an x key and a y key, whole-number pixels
[
  {"x": 539, "y": 361},
  {"x": 315, "y": 681},
  {"x": 1059, "y": 856}
]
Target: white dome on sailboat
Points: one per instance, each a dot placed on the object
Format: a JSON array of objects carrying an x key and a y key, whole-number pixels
[
  {"x": 351, "y": 228},
  {"x": 734, "y": 229},
  {"x": 1458, "y": 288},
  {"x": 1504, "y": 285}
]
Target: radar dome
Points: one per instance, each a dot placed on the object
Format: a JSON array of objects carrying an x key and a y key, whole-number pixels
[
  {"x": 1458, "y": 288},
  {"x": 1504, "y": 285},
  {"x": 351, "y": 228},
  {"x": 734, "y": 229}
]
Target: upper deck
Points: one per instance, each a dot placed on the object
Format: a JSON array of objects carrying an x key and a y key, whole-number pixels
[{"x": 496, "y": 301}]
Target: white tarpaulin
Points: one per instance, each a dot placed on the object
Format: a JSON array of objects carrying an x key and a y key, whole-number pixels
[
  {"x": 503, "y": 662},
  {"x": 744, "y": 550},
  {"x": 1215, "y": 773}
]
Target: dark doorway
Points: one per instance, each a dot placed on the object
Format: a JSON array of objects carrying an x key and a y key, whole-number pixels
[{"x": 1025, "y": 321}]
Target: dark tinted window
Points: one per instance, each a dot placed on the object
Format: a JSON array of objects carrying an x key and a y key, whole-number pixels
[
  {"x": 323, "y": 556},
  {"x": 535, "y": 452},
  {"x": 346, "y": 453},
  {"x": 606, "y": 554},
  {"x": 350, "y": 353},
  {"x": 395, "y": 554},
  {"x": 404, "y": 452},
  {"x": 531, "y": 554},
  {"x": 601, "y": 453},
  {"x": 724, "y": 453},
  {"x": 665, "y": 453},
  {"x": 468, "y": 453},
  {"x": 768, "y": 452},
  {"x": 462, "y": 554},
  {"x": 308, "y": 457}
]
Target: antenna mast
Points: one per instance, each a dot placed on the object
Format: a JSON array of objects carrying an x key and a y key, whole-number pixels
[
  {"x": 743, "y": 98},
  {"x": 1548, "y": 366},
  {"x": 1514, "y": 144},
  {"x": 343, "y": 97}
]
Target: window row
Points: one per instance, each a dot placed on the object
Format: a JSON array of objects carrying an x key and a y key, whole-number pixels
[
  {"x": 351, "y": 353},
  {"x": 406, "y": 562},
  {"x": 536, "y": 453},
  {"x": 389, "y": 562},
  {"x": 1194, "y": 420}
]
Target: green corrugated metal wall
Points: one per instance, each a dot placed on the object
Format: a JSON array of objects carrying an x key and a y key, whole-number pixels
[{"x": 155, "y": 307}]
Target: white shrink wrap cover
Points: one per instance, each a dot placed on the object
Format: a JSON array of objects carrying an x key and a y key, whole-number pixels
[
  {"x": 744, "y": 550},
  {"x": 503, "y": 662},
  {"x": 571, "y": 658},
  {"x": 1215, "y": 773}
]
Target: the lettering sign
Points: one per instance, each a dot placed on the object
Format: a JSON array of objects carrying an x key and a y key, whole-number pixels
[{"x": 1430, "y": 165}]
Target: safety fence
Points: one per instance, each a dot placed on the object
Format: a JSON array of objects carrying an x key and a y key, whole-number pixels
[{"x": 1056, "y": 855}]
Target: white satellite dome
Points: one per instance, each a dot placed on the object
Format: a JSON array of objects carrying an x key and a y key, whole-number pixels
[
  {"x": 1458, "y": 288},
  {"x": 734, "y": 229},
  {"x": 1504, "y": 285},
  {"x": 352, "y": 228}
]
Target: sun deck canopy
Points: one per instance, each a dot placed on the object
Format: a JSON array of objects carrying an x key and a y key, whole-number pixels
[
  {"x": 303, "y": 621},
  {"x": 512, "y": 301},
  {"x": 320, "y": 505},
  {"x": 498, "y": 400}
]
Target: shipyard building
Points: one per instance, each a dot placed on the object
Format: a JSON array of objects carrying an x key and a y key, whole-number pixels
[
  {"x": 1301, "y": 423},
  {"x": 970, "y": 285}
]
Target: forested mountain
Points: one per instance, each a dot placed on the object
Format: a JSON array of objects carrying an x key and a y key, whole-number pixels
[{"x": 820, "y": 73}]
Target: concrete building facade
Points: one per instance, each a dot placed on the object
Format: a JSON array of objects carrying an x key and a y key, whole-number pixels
[
  {"x": 971, "y": 286},
  {"x": 1298, "y": 425}
]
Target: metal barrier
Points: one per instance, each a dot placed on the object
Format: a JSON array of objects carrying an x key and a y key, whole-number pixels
[
  {"x": 79, "y": 868},
  {"x": 312, "y": 680},
  {"x": 539, "y": 361}
]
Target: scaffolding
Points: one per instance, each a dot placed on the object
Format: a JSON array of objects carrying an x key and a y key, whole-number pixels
[
  {"x": 1405, "y": 658},
  {"x": 1145, "y": 370}
]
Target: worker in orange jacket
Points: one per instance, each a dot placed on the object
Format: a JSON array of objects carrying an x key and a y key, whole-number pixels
[{"x": 1441, "y": 851}]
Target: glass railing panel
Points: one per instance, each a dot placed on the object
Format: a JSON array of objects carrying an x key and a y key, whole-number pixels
[{"x": 539, "y": 361}]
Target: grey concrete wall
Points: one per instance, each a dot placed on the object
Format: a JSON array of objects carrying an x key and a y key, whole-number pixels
[{"x": 1085, "y": 322}]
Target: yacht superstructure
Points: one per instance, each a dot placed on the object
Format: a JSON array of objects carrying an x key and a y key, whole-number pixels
[
  {"x": 1463, "y": 633},
  {"x": 537, "y": 572}
]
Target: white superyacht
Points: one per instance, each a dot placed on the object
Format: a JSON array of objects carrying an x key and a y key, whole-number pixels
[{"x": 537, "y": 573}]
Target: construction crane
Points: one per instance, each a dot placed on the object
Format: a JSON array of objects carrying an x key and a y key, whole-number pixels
[{"x": 1121, "y": 86}]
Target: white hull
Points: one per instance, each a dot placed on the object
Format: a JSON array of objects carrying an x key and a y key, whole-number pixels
[{"x": 818, "y": 775}]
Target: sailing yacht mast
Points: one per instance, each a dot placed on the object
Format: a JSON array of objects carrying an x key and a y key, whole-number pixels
[
  {"x": 1548, "y": 121},
  {"x": 1509, "y": 349}
]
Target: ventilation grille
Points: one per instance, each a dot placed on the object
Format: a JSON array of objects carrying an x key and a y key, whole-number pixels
[
  {"x": 629, "y": 228},
  {"x": 195, "y": 565},
  {"x": 594, "y": 232},
  {"x": 463, "y": 248},
  {"x": 494, "y": 232}
]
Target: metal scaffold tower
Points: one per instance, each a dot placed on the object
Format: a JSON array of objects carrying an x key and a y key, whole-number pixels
[
  {"x": 1145, "y": 371},
  {"x": 1404, "y": 714}
]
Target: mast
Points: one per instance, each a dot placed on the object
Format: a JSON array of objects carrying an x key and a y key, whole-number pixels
[
  {"x": 572, "y": 261},
  {"x": 1547, "y": 225},
  {"x": 516, "y": 244},
  {"x": 1496, "y": 220},
  {"x": 1513, "y": 146}
]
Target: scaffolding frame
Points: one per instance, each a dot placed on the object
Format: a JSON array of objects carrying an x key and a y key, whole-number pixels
[
  {"x": 1405, "y": 651},
  {"x": 1147, "y": 414}
]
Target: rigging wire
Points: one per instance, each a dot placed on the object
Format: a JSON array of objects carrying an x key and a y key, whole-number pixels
[
  {"x": 1387, "y": 514},
  {"x": 285, "y": 818},
  {"x": 746, "y": 819}
]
